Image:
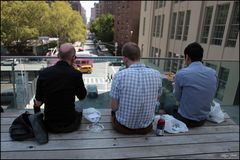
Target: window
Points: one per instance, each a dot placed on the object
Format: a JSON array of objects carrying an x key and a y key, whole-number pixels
[
  {"x": 155, "y": 54},
  {"x": 234, "y": 27},
  {"x": 154, "y": 26},
  {"x": 143, "y": 26},
  {"x": 175, "y": 63},
  {"x": 222, "y": 81},
  {"x": 206, "y": 24},
  {"x": 161, "y": 4},
  {"x": 164, "y": 3},
  {"x": 173, "y": 25},
  {"x": 213, "y": 66},
  {"x": 181, "y": 64},
  {"x": 158, "y": 56},
  {"x": 151, "y": 55},
  {"x": 162, "y": 26},
  {"x": 158, "y": 25},
  {"x": 167, "y": 64},
  {"x": 219, "y": 25},
  {"x": 186, "y": 26},
  {"x": 156, "y": 4},
  {"x": 145, "y": 6},
  {"x": 179, "y": 25}
]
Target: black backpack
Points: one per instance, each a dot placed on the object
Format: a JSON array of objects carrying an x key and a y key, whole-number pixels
[{"x": 21, "y": 128}]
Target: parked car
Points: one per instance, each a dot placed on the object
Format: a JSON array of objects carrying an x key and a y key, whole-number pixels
[{"x": 92, "y": 91}]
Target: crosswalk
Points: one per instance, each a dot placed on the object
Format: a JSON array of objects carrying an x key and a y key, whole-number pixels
[{"x": 94, "y": 80}]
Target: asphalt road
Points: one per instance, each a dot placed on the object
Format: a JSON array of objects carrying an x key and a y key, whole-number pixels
[{"x": 100, "y": 76}]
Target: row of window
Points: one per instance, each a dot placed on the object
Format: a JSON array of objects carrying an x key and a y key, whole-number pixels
[
  {"x": 176, "y": 31},
  {"x": 180, "y": 25},
  {"x": 218, "y": 29},
  {"x": 175, "y": 65},
  {"x": 158, "y": 25},
  {"x": 157, "y": 4}
]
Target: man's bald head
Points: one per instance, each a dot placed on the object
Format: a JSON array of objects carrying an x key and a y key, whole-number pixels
[{"x": 66, "y": 51}]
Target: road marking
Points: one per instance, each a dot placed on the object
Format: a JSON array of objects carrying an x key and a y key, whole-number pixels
[
  {"x": 114, "y": 71},
  {"x": 94, "y": 80}
]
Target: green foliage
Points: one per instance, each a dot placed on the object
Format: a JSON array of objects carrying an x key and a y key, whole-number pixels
[
  {"x": 22, "y": 20},
  {"x": 103, "y": 27}
]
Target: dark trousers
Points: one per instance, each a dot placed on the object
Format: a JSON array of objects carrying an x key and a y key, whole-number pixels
[
  {"x": 173, "y": 110},
  {"x": 65, "y": 129},
  {"x": 125, "y": 130}
]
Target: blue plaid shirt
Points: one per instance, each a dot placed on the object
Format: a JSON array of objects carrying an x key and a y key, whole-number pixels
[{"x": 136, "y": 89}]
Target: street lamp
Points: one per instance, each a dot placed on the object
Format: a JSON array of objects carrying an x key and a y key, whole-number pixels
[
  {"x": 131, "y": 34},
  {"x": 116, "y": 45}
]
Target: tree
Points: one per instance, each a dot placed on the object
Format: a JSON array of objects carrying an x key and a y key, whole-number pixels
[
  {"x": 67, "y": 23},
  {"x": 103, "y": 27},
  {"x": 23, "y": 20}
]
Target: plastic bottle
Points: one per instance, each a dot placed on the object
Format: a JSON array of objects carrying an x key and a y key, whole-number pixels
[{"x": 160, "y": 127}]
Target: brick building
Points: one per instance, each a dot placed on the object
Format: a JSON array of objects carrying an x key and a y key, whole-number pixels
[{"x": 125, "y": 27}]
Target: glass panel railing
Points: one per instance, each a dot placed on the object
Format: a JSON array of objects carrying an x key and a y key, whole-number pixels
[{"x": 19, "y": 76}]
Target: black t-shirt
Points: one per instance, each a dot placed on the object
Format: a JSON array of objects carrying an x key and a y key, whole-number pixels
[{"x": 56, "y": 88}]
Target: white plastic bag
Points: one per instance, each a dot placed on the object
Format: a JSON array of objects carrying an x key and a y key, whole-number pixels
[
  {"x": 216, "y": 114},
  {"x": 92, "y": 115},
  {"x": 172, "y": 125}
]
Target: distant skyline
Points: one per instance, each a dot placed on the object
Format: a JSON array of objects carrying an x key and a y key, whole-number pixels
[{"x": 87, "y": 5}]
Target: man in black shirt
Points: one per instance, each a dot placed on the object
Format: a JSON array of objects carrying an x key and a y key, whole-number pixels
[{"x": 56, "y": 88}]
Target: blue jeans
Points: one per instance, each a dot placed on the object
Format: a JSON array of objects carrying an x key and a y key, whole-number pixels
[{"x": 173, "y": 110}]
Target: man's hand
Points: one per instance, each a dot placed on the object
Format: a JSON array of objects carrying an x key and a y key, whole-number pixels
[{"x": 37, "y": 105}]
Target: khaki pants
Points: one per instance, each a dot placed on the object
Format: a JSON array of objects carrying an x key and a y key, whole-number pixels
[{"x": 125, "y": 130}]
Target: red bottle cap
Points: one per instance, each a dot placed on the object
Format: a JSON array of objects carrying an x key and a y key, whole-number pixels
[{"x": 161, "y": 122}]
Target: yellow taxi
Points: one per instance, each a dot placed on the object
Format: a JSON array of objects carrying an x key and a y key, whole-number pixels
[{"x": 86, "y": 69}]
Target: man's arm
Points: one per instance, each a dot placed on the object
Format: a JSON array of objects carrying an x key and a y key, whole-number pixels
[
  {"x": 115, "y": 93},
  {"x": 114, "y": 104},
  {"x": 81, "y": 91},
  {"x": 38, "y": 101}
]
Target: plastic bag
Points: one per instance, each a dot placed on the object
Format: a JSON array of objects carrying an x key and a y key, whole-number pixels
[
  {"x": 172, "y": 125},
  {"x": 216, "y": 114},
  {"x": 92, "y": 115}
]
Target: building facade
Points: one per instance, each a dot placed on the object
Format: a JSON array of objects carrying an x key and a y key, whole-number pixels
[
  {"x": 76, "y": 5},
  {"x": 126, "y": 19},
  {"x": 167, "y": 27}
]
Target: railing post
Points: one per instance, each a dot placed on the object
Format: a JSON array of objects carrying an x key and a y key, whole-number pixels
[{"x": 14, "y": 89}]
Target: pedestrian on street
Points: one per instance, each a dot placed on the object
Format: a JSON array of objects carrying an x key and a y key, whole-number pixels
[
  {"x": 111, "y": 77},
  {"x": 108, "y": 77}
]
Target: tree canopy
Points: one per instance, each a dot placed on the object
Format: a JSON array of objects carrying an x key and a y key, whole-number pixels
[
  {"x": 103, "y": 27},
  {"x": 23, "y": 20}
]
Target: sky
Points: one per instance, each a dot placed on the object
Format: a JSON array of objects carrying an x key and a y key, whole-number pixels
[{"x": 87, "y": 5}]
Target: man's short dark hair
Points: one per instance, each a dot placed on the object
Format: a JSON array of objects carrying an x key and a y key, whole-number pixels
[
  {"x": 194, "y": 51},
  {"x": 131, "y": 51}
]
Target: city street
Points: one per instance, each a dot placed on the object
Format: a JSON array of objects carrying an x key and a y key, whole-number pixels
[{"x": 101, "y": 77}]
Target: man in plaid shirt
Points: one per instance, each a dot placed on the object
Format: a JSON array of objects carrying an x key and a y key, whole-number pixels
[{"x": 135, "y": 92}]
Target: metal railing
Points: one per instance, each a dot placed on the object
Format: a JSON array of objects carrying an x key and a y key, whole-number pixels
[{"x": 20, "y": 77}]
